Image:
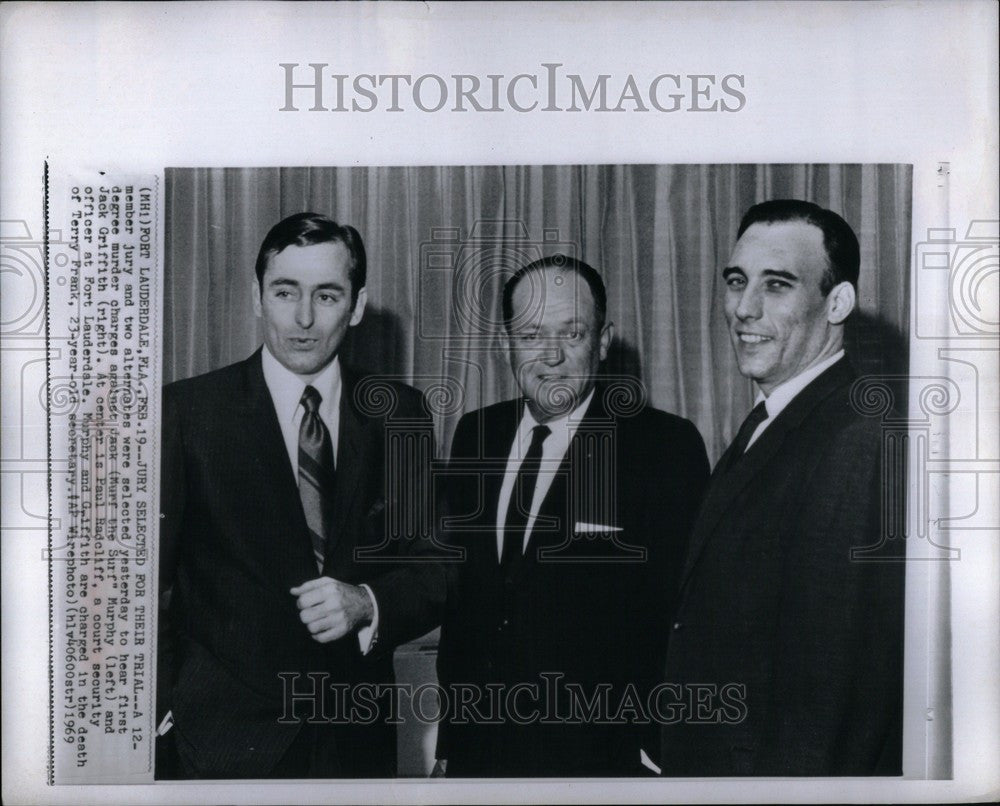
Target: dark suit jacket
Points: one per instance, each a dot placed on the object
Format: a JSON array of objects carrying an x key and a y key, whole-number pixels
[
  {"x": 772, "y": 601},
  {"x": 234, "y": 540},
  {"x": 590, "y": 610}
]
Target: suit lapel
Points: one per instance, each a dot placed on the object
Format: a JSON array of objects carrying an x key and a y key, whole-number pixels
[
  {"x": 291, "y": 552},
  {"x": 353, "y": 455},
  {"x": 551, "y": 528},
  {"x": 498, "y": 443},
  {"x": 724, "y": 487},
  {"x": 495, "y": 448},
  {"x": 586, "y": 451}
]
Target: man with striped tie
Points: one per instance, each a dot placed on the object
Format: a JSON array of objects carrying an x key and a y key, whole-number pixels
[{"x": 279, "y": 580}]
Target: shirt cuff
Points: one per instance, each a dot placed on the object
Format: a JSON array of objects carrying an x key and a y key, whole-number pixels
[
  {"x": 368, "y": 635},
  {"x": 648, "y": 763}
]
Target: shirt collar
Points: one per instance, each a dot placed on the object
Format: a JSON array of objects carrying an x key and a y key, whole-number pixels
[
  {"x": 286, "y": 387},
  {"x": 562, "y": 427},
  {"x": 784, "y": 393}
]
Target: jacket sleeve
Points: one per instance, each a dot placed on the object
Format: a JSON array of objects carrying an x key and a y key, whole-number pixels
[
  {"x": 676, "y": 481},
  {"x": 675, "y": 489},
  {"x": 411, "y": 594},
  {"x": 464, "y": 435}
]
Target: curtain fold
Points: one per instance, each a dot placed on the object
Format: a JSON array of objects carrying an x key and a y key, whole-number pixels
[{"x": 441, "y": 241}]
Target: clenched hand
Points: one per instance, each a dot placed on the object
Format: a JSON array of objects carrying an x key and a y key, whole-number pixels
[{"x": 331, "y": 609}]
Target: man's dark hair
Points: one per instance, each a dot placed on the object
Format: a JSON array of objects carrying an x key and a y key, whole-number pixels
[
  {"x": 841, "y": 244},
  {"x": 561, "y": 263},
  {"x": 309, "y": 229}
]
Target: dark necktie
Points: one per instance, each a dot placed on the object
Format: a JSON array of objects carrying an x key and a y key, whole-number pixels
[
  {"x": 756, "y": 416},
  {"x": 521, "y": 496},
  {"x": 316, "y": 473}
]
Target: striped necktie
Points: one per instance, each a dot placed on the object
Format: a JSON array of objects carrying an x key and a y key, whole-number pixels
[{"x": 316, "y": 473}]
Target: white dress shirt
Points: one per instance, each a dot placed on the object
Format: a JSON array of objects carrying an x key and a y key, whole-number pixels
[
  {"x": 784, "y": 393},
  {"x": 286, "y": 388},
  {"x": 553, "y": 450}
]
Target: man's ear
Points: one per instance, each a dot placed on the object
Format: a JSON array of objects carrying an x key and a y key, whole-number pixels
[
  {"x": 504, "y": 338},
  {"x": 359, "y": 306},
  {"x": 840, "y": 302},
  {"x": 607, "y": 336},
  {"x": 255, "y": 291}
]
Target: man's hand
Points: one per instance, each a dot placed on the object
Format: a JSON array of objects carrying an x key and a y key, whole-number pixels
[{"x": 331, "y": 609}]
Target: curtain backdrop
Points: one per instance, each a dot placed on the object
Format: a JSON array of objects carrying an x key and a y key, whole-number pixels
[{"x": 441, "y": 240}]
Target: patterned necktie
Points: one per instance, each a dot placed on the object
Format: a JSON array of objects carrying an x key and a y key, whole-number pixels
[
  {"x": 756, "y": 416},
  {"x": 521, "y": 496},
  {"x": 316, "y": 473}
]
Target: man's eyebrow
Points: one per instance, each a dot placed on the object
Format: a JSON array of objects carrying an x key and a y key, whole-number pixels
[
  {"x": 328, "y": 286},
  {"x": 782, "y": 275},
  {"x": 770, "y": 273}
]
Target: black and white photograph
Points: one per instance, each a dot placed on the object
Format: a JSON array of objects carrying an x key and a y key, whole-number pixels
[
  {"x": 604, "y": 602},
  {"x": 500, "y": 402}
]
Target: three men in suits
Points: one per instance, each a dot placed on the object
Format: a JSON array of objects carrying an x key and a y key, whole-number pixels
[
  {"x": 573, "y": 506},
  {"x": 275, "y": 493},
  {"x": 789, "y": 591}
]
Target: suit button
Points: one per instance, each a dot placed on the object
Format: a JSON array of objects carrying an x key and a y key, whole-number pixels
[{"x": 678, "y": 626}]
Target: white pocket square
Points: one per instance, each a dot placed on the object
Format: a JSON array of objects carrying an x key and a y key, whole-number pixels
[{"x": 594, "y": 528}]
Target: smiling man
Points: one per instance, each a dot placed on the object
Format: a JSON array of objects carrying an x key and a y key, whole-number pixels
[
  {"x": 273, "y": 475},
  {"x": 783, "y": 593},
  {"x": 573, "y": 510}
]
